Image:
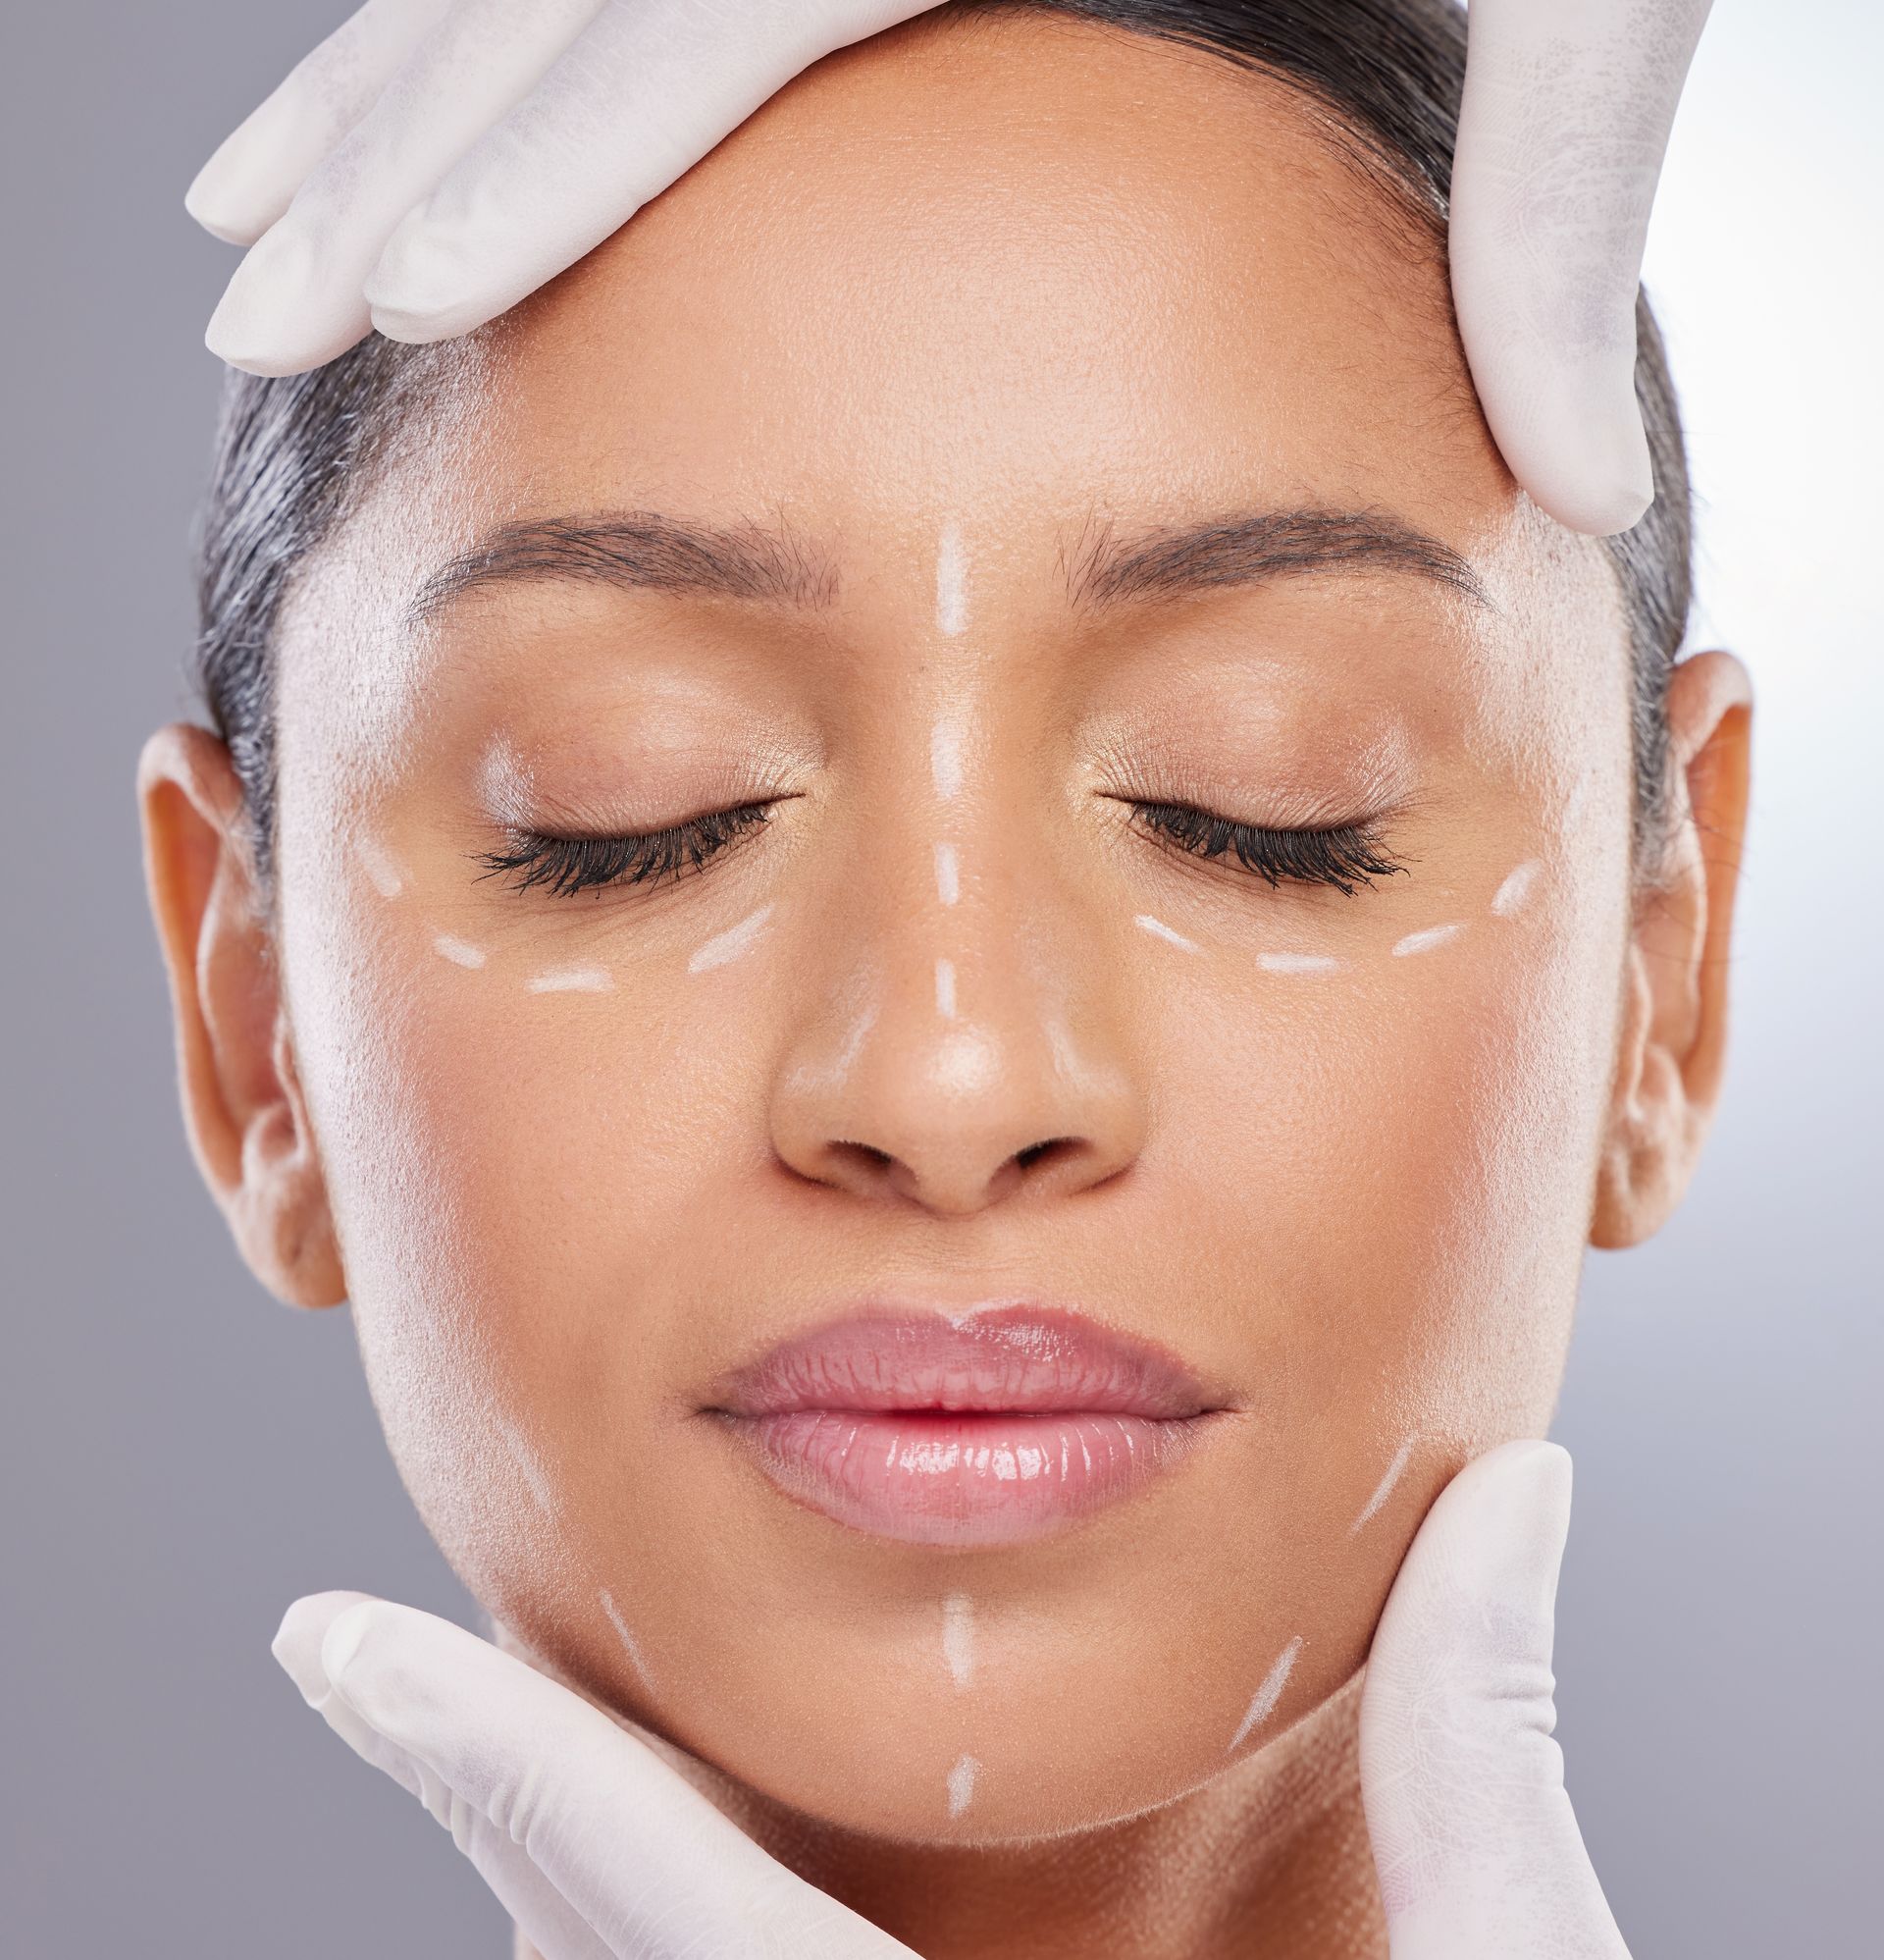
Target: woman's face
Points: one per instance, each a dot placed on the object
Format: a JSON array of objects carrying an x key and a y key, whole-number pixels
[{"x": 1007, "y": 435}]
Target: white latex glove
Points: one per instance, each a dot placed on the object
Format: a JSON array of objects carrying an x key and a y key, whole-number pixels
[
  {"x": 1474, "y": 1840},
  {"x": 1567, "y": 109},
  {"x": 434, "y": 161},
  {"x": 601, "y": 1851},
  {"x": 593, "y": 1845}
]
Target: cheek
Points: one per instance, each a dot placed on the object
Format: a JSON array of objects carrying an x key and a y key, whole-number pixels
[
  {"x": 512, "y": 1169},
  {"x": 1369, "y": 1187},
  {"x": 1396, "y": 1164}
]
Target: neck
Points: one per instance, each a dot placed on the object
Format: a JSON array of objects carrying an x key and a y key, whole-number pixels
[{"x": 1269, "y": 1860}]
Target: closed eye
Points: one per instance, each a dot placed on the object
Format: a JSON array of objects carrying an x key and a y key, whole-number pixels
[
  {"x": 1344, "y": 856},
  {"x": 565, "y": 865}
]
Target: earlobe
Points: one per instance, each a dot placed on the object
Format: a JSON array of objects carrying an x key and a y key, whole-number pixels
[
  {"x": 242, "y": 1102},
  {"x": 1671, "y": 1049}
]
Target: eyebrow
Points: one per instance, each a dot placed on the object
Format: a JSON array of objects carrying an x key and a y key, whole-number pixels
[
  {"x": 645, "y": 551},
  {"x": 639, "y": 549},
  {"x": 1254, "y": 548}
]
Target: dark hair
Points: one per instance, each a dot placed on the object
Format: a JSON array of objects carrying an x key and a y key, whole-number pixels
[{"x": 292, "y": 453}]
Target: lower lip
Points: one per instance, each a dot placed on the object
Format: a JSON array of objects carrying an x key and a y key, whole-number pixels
[{"x": 934, "y": 1477}]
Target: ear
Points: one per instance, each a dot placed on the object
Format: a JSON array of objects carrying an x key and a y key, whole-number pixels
[
  {"x": 243, "y": 1103},
  {"x": 1674, "y": 1023}
]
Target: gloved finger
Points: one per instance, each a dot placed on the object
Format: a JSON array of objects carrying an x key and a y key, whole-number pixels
[
  {"x": 1565, "y": 121},
  {"x": 256, "y": 170},
  {"x": 558, "y": 1931},
  {"x": 296, "y": 299},
  {"x": 639, "y": 98},
  {"x": 1474, "y": 1838},
  {"x": 643, "y": 1859}
]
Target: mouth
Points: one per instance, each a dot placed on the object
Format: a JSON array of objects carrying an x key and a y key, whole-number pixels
[{"x": 977, "y": 1427}]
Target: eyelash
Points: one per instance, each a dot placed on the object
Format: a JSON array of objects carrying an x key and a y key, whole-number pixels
[
  {"x": 1344, "y": 857},
  {"x": 569, "y": 865}
]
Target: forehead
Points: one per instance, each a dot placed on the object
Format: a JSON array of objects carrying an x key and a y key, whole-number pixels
[{"x": 1033, "y": 264}]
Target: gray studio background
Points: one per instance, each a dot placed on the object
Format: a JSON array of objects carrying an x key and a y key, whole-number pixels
[{"x": 182, "y": 1456}]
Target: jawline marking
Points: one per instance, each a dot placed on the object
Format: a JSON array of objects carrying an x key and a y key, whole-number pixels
[
  {"x": 1269, "y": 1693},
  {"x": 1384, "y": 1488}
]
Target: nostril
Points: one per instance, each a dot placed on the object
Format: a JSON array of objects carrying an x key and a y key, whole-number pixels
[{"x": 1032, "y": 1154}]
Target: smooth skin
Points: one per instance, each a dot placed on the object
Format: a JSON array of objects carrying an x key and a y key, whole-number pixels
[
  {"x": 434, "y": 161},
  {"x": 1040, "y": 286}
]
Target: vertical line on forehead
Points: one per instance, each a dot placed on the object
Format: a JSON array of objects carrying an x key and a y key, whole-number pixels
[
  {"x": 951, "y": 583},
  {"x": 945, "y": 988},
  {"x": 945, "y": 758},
  {"x": 962, "y": 1785},
  {"x": 948, "y": 874}
]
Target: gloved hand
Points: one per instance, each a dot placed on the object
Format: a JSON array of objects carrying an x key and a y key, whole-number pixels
[
  {"x": 600, "y": 1851},
  {"x": 434, "y": 161},
  {"x": 592, "y": 1843},
  {"x": 1474, "y": 1842}
]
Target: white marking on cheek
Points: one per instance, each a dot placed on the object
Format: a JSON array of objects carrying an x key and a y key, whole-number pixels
[
  {"x": 1515, "y": 890},
  {"x": 1423, "y": 941},
  {"x": 962, "y": 1785},
  {"x": 1160, "y": 930},
  {"x": 948, "y": 874},
  {"x": 380, "y": 866},
  {"x": 1384, "y": 1488},
  {"x": 957, "y": 1629},
  {"x": 1066, "y": 1057},
  {"x": 951, "y": 582},
  {"x": 460, "y": 952},
  {"x": 729, "y": 944},
  {"x": 945, "y": 988},
  {"x": 1297, "y": 963},
  {"x": 809, "y": 1076},
  {"x": 630, "y": 1645},
  {"x": 945, "y": 758},
  {"x": 572, "y": 980},
  {"x": 1263, "y": 1705}
]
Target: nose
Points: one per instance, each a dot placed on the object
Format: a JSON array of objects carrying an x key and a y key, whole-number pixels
[{"x": 959, "y": 1057}]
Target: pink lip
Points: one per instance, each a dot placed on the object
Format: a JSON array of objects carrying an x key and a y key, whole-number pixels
[{"x": 984, "y": 1428}]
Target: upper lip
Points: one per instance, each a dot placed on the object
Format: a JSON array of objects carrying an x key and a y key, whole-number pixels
[{"x": 1019, "y": 1357}]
